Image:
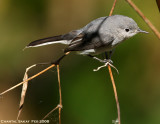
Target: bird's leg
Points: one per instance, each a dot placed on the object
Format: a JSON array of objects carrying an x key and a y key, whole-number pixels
[
  {"x": 108, "y": 57},
  {"x": 53, "y": 62},
  {"x": 111, "y": 53}
]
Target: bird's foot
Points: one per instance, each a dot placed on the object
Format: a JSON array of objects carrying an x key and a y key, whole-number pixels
[{"x": 106, "y": 63}]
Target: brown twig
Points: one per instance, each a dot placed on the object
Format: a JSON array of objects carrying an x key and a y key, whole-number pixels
[
  {"x": 156, "y": 32},
  {"x": 115, "y": 93},
  {"x": 59, "y": 106},
  {"x": 60, "y": 94},
  {"x": 112, "y": 79},
  {"x": 114, "y": 4},
  {"x": 50, "y": 112}
]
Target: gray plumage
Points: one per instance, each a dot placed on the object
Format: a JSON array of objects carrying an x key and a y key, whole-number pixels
[{"x": 100, "y": 35}]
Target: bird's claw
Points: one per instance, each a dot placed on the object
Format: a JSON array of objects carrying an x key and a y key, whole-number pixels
[{"x": 106, "y": 63}]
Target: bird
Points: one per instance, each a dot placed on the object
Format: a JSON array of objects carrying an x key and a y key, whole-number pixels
[{"x": 101, "y": 35}]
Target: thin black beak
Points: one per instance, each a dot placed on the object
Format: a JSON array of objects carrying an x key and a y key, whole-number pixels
[{"x": 139, "y": 30}]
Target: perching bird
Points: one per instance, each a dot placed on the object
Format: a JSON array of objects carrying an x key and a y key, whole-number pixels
[{"x": 100, "y": 35}]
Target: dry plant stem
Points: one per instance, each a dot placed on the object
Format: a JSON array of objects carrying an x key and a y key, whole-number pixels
[
  {"x": 50, "y": 112},
  {"x": 114, "y": 4},
  {"x": 24, "y": 90},
  {"x": 26, "y": 79},
  {"x": 115, "y": 94},
  {"x": 60, "y": 94},
  {"x": 59, "y": 106},
  {"x": 34, "y": 76},
  {"x": 157, "y": 33},
  {"x": 112, "y": 79}
]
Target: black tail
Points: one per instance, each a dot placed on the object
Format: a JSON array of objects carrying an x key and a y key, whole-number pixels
[
  {"x": 47, "y": 41},
  {"x": 62, "y": 39}
]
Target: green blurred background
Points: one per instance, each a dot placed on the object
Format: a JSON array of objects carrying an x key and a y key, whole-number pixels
[{"x": 87, "y": 96}]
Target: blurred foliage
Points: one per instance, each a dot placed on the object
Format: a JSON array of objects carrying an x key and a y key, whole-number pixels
[{"x": 87, "y": 96}]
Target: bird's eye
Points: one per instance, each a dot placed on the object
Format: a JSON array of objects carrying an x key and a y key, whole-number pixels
[{"x": 127, "y": 30}]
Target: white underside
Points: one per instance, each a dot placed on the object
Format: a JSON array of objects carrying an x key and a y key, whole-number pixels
[
  {"x": 86, "y": 52},
  {"x": 95, "y": 51}
]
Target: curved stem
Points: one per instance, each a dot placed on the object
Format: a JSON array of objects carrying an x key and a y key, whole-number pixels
[
  {"x": 114, "y": 4},
  {"x": 154, "y": 29},
  {"x": 115, "y": 94}
]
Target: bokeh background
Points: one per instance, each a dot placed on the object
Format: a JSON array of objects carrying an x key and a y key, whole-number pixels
[{"x": 87, "y": 96}]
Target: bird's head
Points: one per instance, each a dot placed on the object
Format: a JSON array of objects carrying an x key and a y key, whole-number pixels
[{"x": 127, "y": 27}]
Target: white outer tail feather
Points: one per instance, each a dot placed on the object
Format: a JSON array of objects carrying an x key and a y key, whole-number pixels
[{"x": 65, "y": 42}]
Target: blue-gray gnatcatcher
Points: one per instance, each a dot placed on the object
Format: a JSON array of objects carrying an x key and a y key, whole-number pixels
[{"x": 100, "y": 35}]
